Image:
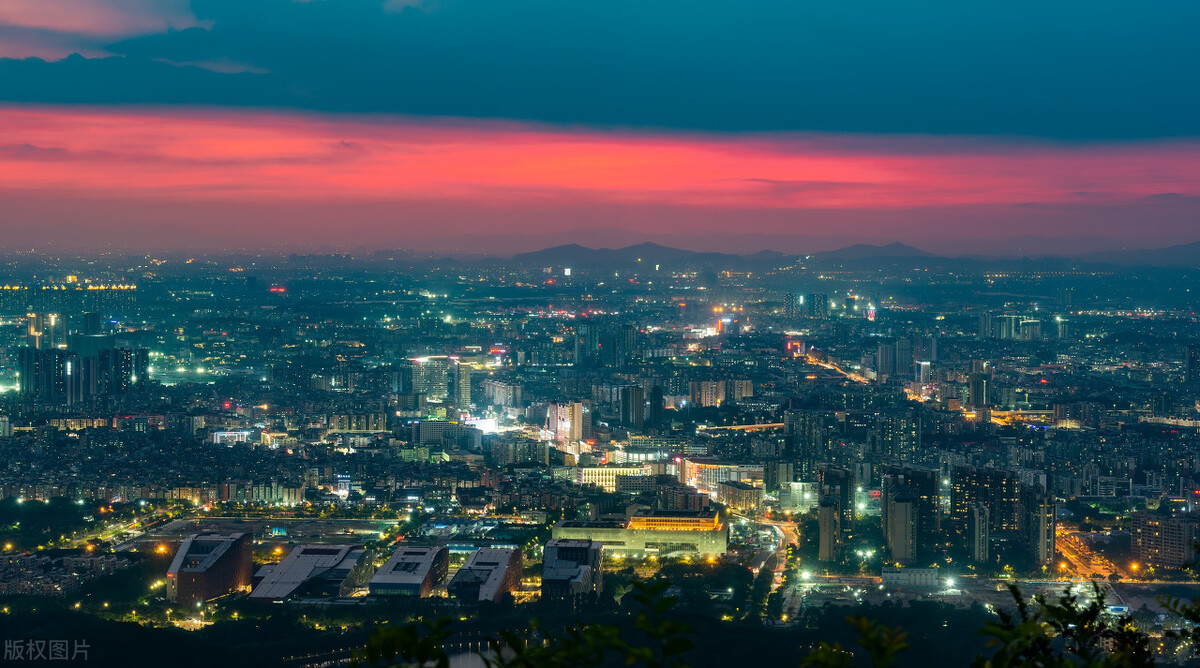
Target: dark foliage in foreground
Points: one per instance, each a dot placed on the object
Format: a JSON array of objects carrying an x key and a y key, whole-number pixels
[{"x": 1066, "y": 632}]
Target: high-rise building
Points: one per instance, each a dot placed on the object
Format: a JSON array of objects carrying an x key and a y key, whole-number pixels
[
  {"x": 430, "y": 377},
  {"x": 737, "y": 389},
  {"x": 1166, "y": 541},
  {"x": 926, "y": 484},
  {"x": 1191, "y": 371},
  {"x": 980, "y": 388},
  {"x": 926, "y": 348},
  {"x": 807, "y": 432},
  {"x": 839, "y": 482},
  {"x": 901, "y": 524},
  {"x": 885, "y": 361},
  {"x": 897, "y": 435},
  {"x": 986, "y": 326},
  {"x": 46, "y": 331},
  {"x": 979, "y": 533},
  {"x": 923, "y": 372},
  {"x": 655, "y": 406},
  {"x": 1008, "y": 327},
  {"x": 706, "y": 393},
  {"x": 815, "y": 306},
  {"x": 998, "y": 490},
  {"x": 45, "y": 374},
  {"x": 1038, "y": 514},
  {"x": 903, "y": 365},
  {"x": 829, "y": 522},
  {"x": 791, "y": 307},
  {"x": 633, "y": 407},
  {"x": 570, "y": 421},
  {"x": 461, "y": 380}
]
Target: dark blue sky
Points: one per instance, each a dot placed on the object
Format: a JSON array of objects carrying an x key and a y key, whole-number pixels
[{"x": 1062, "y": 69}]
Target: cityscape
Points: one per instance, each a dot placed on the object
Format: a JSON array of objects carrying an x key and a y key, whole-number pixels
[
  {"x": 495, "y": 335},
  {"x": 191, "y": 441}
]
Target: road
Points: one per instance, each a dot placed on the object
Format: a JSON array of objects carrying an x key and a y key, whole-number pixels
[{"x": 1080, "y": 559}]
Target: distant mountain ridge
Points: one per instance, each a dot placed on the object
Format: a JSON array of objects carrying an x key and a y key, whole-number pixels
[
  {"x": 576, "y": 255},
  {"x": 870, "y": 251},
  {"x": 646, "y": 253},
  {"x": 1181, "y": 255}
]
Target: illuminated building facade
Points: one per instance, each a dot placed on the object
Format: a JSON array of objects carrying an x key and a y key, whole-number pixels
[
  {"x": 1162, "y": 540},
  {"x": 658, "y": 532}
]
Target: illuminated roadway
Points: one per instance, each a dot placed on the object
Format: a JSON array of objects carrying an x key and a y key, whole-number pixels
[
  {"x": 852, "y": 376},
  {"x": 743, "y": 427},
  {"x": 1081, "y": 561}
]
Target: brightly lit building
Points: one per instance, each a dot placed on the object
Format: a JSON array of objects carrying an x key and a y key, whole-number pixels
[{"x": 653, "y": 532}]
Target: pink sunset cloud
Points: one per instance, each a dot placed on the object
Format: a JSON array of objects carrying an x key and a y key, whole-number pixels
[
  {"x": 105, "y": 18},
  {"x": 258, "y": 158}
]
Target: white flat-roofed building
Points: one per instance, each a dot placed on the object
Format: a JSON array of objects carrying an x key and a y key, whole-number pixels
[
  {"x": 911, "y": 576},
  {"x": 411, "y": 571},
  {"x": 488, "y": 575}
]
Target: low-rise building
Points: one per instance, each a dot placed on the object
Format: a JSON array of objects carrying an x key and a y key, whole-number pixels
[
  {"x": 411, "y": 571},
  {"x": 571, "y": 568},
  {"x": 488, "y": 575},
  {"x": 739, "y": 495},
  {"x": 911, "y": 577},
  {"x": 313, "y": 570},
  {"x": 208, "y": 565},
  {"x": 653, "y": 532}
]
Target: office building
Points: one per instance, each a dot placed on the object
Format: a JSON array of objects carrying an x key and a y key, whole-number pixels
[
  {"x": 461, "y": 384},
  {"x": 606, "y": 476}
]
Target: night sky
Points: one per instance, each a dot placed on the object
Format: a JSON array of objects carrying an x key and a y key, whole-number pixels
[{"x": 489, "y": 125}]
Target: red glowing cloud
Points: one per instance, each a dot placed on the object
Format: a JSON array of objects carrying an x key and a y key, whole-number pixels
[
  {"x": 164, "y": 157},
  {"x": 260, "y": 156}
]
